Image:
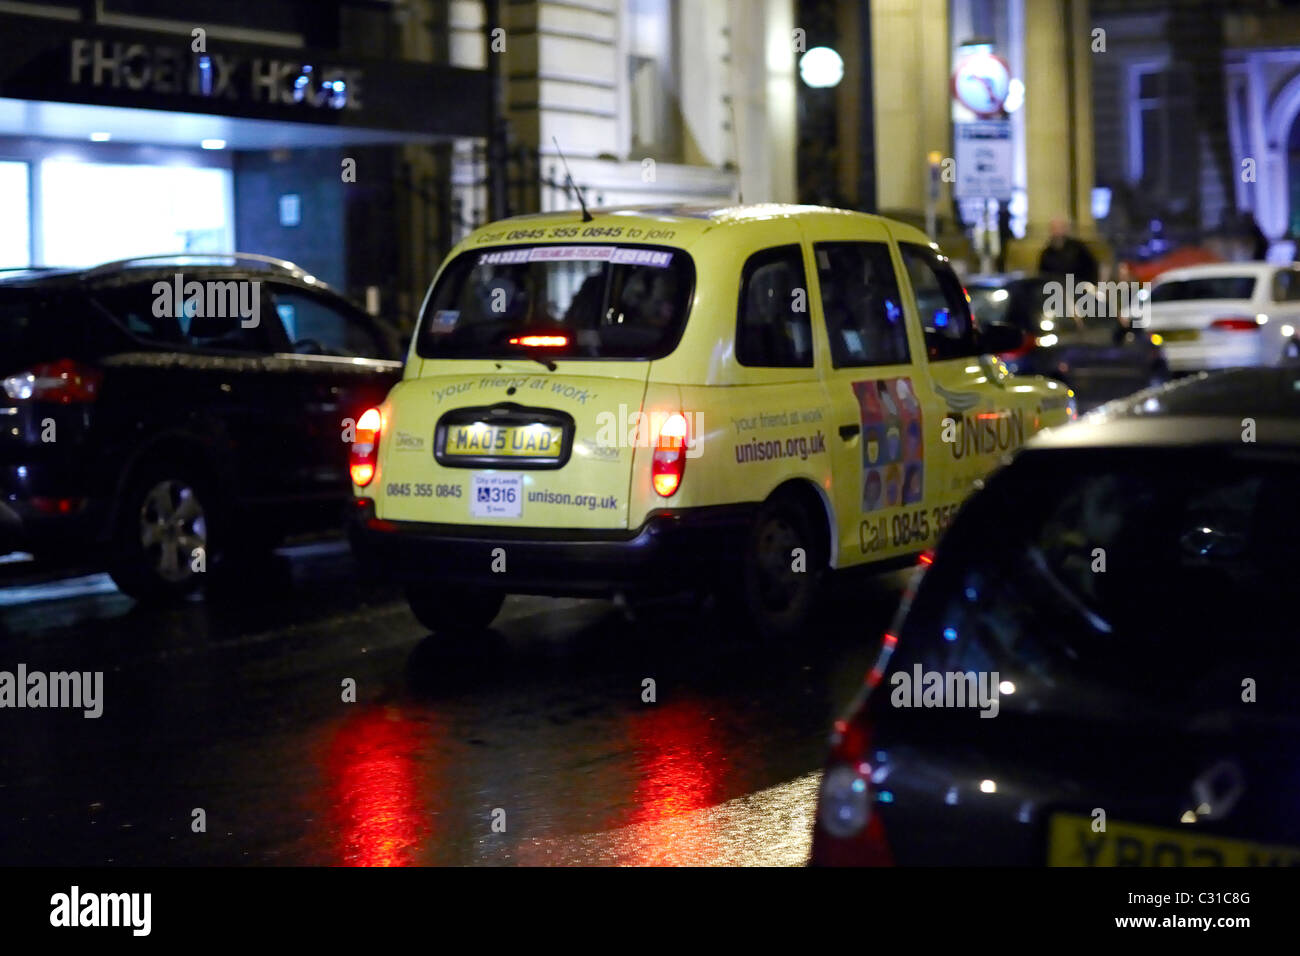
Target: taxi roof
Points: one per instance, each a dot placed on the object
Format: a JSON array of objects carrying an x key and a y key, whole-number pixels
[{"x": 691, "y": 221}]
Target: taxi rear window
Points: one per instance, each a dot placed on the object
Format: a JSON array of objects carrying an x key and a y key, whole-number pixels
[{"x": 600, "y": 301}]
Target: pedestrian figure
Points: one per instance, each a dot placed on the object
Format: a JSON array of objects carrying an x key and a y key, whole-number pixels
[{"x": 1066, "y": 255}]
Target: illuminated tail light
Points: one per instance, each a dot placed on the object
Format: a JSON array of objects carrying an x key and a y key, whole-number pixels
[
  {"x": 845, "y": 806},
  {"x": 541, "y": 341},
  {"x": 1235, "y": 324},
  {"x": 669, "y": 461},
  {"x": 1028, "y": 345},
  {"x": 365, "y": 448},
  {"x": 64, "y": 382}
]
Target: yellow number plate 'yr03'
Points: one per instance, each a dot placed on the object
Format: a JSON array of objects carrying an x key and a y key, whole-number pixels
[{"x": 1072, "y": 842}]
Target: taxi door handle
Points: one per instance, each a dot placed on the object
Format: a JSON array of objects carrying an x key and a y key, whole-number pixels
[{"x": 848, "y": 431}]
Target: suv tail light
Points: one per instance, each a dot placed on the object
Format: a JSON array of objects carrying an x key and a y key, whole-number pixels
[
  {"x": 854, "y": 833},
  {"x": 364, "y": 457},
  {"x": 1028, "y": 345},
  {"x": 64, "y": 382},
  {"x": 1235, "y": 323},
  {"x": 669, "y": 461}
]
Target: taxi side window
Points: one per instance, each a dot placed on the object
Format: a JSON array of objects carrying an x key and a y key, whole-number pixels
[
  {"x": 773, "y": 329},
  {"x": 861, "y": 304},
  {"x": 945, "y": 313}
]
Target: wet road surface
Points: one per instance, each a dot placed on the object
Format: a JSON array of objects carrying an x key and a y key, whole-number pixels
[{"x": 234, "y": 705}]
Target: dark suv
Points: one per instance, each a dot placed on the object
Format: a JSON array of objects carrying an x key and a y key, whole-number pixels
[{"x": 158, "y": 415}]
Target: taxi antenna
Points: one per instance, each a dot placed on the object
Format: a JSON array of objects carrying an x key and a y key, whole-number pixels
[{"x": 586, "y": 216}]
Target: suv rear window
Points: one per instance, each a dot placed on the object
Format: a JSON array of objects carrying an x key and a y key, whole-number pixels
[
  {"x": 1211, "y": 287},
  {"x": 1166, "y": 577},
  {"x": 597, "y": 301}
]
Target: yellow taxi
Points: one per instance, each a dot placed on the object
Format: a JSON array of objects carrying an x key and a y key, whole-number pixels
[{"x": 742, "y": 398}]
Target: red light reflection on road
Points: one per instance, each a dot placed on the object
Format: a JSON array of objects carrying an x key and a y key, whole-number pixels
[
  {"x": 372, "y": 772},
  {"x": 680, "y": 767}
]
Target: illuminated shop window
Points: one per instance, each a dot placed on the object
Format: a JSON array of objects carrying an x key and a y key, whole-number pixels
[
  {"x": 15, "y": 224},
  {"x": 98, "y": 212}
]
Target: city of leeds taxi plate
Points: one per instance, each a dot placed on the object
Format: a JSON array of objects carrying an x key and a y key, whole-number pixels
[
  {"x": 1072, "y": 842},
  {"x": 481, "y": 440},
  {"x": 495, "y": 494}
]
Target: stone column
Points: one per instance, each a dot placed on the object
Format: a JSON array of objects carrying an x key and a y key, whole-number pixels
[
  {"x": 910, "y": 67},
  {"x": 1058, "y": 121}
]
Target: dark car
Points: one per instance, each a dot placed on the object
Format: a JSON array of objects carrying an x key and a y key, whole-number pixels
[
  {"x": 1110, "y": 629},
  {"x": 1092, "y": 347},
  {"x": 158, "y": 414}
]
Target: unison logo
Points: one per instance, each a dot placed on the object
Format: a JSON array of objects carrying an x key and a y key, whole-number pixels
[{"x": 946, "y": 689}]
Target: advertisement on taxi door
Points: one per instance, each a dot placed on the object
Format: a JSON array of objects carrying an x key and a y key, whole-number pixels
[{"x": 893, "y": 449}]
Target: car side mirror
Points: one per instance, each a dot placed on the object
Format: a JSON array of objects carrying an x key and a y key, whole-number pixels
[{"x": 998, "y": 337}]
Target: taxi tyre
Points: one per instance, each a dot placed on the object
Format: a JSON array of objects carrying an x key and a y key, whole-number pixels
[
  {"x": 779, "y": 602},
  {"x": 137, "y": 569},
  {"x": 461, "y": 610}
]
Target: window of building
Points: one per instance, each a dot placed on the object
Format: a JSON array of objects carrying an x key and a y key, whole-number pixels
[
  {"x": 773, "y": 329},
  {"x": 650, "y": 28},
  {"x": 15, "y": 224},
  {"x": 100, "y": 212},
  {"x": 1162, "y": 128}
]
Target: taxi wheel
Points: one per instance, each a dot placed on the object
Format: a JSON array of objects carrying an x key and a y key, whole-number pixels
[
  {"x": 446, "y": 609},
  {"x": 783, "y": 592}
]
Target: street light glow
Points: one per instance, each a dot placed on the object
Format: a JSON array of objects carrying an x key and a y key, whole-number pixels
[{"x": 821, "y": 67}]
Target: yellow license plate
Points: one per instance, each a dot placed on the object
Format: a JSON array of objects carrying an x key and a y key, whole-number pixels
[
  {"x": 504, "y": 441},
  {"x": 1072, "y": 842},
  {"x": 1181, "y": 335}
]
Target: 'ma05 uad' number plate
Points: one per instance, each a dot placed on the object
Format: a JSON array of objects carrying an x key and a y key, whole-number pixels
[{"x": 481, "y": 440}]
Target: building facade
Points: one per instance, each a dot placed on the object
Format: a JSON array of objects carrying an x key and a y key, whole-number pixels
[{"x": 1197, "y": 103}]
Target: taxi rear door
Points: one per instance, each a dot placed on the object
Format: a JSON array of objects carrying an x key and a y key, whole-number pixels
[{"x": 873, "y": 380}]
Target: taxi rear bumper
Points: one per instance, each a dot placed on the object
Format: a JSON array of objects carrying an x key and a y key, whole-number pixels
[{"x": 671, "y": 550}]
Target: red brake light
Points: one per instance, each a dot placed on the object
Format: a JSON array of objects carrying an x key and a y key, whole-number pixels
[
  {"x": 669, "y": 461},
  {"x": 364, "y": 455},
  {"x": 1025, "y": 349},
  {"x": 541, "y": 341},
  {"x": 851, "y": 830},
  {"x": 65, "y": 382},
  {"x": 1236, "y": 323}
]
